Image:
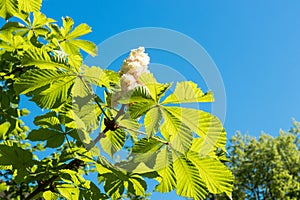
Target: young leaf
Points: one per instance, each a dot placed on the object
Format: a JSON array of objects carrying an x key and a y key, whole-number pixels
[
  {"x": 49, "y": 88},
  {"x": 202, "y": 123},
  {"x": 156, "y": 89},
  {"x": 188, "y": 92},
  {"x": 176, "y": 132},
  {"x": 164, "y": 167},
  {"x": 4, "y": 127},
  {"x": 30, "y": 5},
  {"x": 96, "y": 76},
  {"x": 113, "y": 142},
  {"x": 68, "y": 191},
  {"x": 41, "y": 58},
  {"x": 136, "y": 110},
  {"x": 48, "y": 195},
  {"x": 189, "y": 183},
  {"x": 8, "y": 8},
  {"x": 216, "y": 176},
  {"x": 152, "y": 121}
]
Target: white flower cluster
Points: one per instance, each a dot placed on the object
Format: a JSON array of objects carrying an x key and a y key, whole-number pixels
[{"x": 132, "y": 68}]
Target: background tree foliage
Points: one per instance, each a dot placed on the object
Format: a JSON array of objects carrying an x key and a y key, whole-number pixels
[
  {"x": 180, "y": 147},
  {"x": 267, "y": 167}
]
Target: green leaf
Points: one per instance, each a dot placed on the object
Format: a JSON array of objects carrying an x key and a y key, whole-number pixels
[
  {"x": 96, "y": 76},
  {"x": 164, "y": 167},
  {"x": 156, "y": 89},
  {"x": 4, "y": 127},
  {"x": 68, "y": 39},
  {"x": 49, "y": 88},
  {"x": 130, "y": 125},
  {"x": 189, "y": 183},
  {"x": 113, "y": 142},
  {"x": 136, "y": 185},
  {"x": 68, "y": 191},
  {"x": 176, "y": 132},
  {"x": 86, "y": 46},
  {"x": 114, "y": 187},
  {"x": 48, "y": 195},
  {"x": 8, "y": 8},
  {"x": 188, "y": 92},
  {"x": 15, "y": 156},
  {"x": 78, "y": 31},
  {"x": 89, "y": 115},
  {"x": 54, "y": 138},
  {"x": 203, "y": 124},
  {"x": 216, "y": 176},
  {"x": 136, "y": 110},
  {"x": 80, "y": 88},
  {"x": 152, "y": 121},
  {"x": 146, "y": 150},
  {"x": 41, "y": 58},
  {"x": 138, "y": 94},
  {"x": 30, "y": 5},
  {"x": 47, "y": 120}
]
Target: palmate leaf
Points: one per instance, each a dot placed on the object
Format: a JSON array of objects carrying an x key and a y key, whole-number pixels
[
  {"x": 138, "y": 94},
  {"x": 30, "y": 5},
  {"x": 117, "y": 180},
  {"x": 11, "y": 42},
  {"x": 8, "y": 8},
  {"x": 145, "y": 151},
  {"x": 54, "y": 138},
  {"x": 88, "y": 114},
  {"x": 203, "y": 124},
  {"x": 113, "y": 142},
  {"x": 164, "y": 167},
  {"x": 68, "y": 39},
  {"x": 188, "y": 92},
  {"x": 189, "y": 183},
  {"x": 96, "y": 76},
  {"x": 152, "y": 121},
  {"x": 156, "y": 89},
  {"x": 48, "y": 88},
  {"x": 15, "y": 156},
  {"x": 176, "y": 132},
  {"x": 48, "y": 120},
  {"x": 48, "y": 195},
  {"x": 136, "y": 110},
  {"x": 68, "y": 191},
  {"x": 216, "y": 176},
  {"x": 41, "y": 58}
]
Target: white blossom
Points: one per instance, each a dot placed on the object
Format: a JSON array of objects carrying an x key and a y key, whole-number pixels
[
  {"x": 128, "y": 82},
  {"x": 136, "y": 63}
]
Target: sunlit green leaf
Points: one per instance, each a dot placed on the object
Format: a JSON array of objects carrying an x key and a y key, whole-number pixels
[
  {"x": 189, "y": 183},
  {"x": 113, "y": 142},
  {"x": 8, "y": 8},
  {"x": 152, "y": 121},
  {"x": 188, "y": 92},
  {"x": 30, "y": 5},
  {"x": 216, "y": 176},
  {"x": 156, "y": 89},
  {"x": 176, "y": 132}
]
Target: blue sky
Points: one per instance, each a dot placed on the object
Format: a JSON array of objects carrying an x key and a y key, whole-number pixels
[{"x": 255, "y": 45}]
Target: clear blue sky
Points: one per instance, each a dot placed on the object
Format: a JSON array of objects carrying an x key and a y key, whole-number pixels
[{"x": 255, "y": 44}]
